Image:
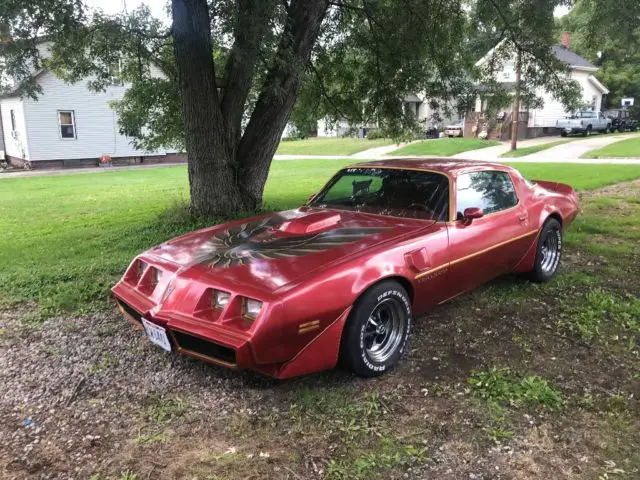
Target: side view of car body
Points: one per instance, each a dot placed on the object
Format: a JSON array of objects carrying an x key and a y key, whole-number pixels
[
  {"x": 584, "y": 122},
  {"x": 341, "y": 279}
]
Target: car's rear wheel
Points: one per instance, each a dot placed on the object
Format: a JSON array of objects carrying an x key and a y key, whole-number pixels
[
  {"x": 548, "y": 251},
  {"x": 375, "y": 336}
]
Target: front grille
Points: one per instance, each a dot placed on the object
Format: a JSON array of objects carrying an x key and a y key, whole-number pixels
[
  {"x": 137, "y": 316},
  {"x": 204, "y": 347}
]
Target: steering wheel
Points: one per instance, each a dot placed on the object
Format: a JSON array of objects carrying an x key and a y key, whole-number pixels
[{"x": 421, "y": 207}]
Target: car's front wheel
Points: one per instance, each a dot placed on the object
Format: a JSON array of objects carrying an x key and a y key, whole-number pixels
[
  {"x": 376, "y": 333},
  {"x": 548, "y": 251}
]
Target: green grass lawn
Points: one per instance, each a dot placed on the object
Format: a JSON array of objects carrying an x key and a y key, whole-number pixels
[
  {"x": 444, "y": 147},
  {"x": 623, "y": 148},
  {"x": 329, "y": 146},
  {"x": 521, "y": 152},
  {"x": 66, "y": 239}
]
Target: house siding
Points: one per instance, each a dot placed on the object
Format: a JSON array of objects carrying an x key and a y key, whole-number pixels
[
  {"x": 18, "y": 146},
  {"x": 96, "y": 123}
]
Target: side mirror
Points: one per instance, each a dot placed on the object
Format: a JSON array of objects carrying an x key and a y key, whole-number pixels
[
  {"x": 312, "y": 196},
  {"x": 472, "y": 213}
]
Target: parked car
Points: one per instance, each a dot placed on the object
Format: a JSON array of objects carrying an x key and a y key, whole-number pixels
[
  {"x": 621, "y": 120},
  {"x": 456, "y": 129},
  {"x": 585, "y": 122},
  {"x": 341, "y": 279}
]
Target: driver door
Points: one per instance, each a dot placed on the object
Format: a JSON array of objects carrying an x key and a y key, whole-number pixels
[{"x": 491, "y": 245}]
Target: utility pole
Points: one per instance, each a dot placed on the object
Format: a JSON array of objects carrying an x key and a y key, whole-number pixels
[{"x": 515, "y": 114}]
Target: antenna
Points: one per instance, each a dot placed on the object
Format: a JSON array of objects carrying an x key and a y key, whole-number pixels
[{"x": 124, "y": 6}]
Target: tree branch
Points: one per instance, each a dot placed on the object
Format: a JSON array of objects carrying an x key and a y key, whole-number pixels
[
  {"x": 250, "y": 29},
  {"x": 278, "y": 95}
]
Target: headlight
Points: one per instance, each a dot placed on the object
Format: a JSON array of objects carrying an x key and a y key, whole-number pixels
[
  {"x": 251, "y": 308},
  {"x": 142, "y": 266},
  {"x": 220, "y": 299},
  {"x": 154, "y": 278}
]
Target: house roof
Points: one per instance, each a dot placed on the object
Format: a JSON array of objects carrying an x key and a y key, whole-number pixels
[
  {"x": 563, "y": 54},
  {"x": 604, "y": 90},
  {"x": 412, "y": 97},
  {"x": 571, "y": 58}
]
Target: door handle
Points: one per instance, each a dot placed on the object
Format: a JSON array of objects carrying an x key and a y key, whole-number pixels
[{"x": 522, "y": 218}]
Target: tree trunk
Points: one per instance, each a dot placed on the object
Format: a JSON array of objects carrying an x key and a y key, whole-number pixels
[
  {"x": 227, "y": 172},
  {"x": 212, "y": 177},
  {"x": 515, "y": 115},
  {"x": 278, "y": 96}
]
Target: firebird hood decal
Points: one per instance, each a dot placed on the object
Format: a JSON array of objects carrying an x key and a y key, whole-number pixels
[{"x": 259, "y": 240}]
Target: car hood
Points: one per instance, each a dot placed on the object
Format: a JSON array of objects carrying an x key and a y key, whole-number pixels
[{"x": 271, "y": 251}]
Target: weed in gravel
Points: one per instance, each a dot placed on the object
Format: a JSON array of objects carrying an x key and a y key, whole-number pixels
[
  {"x": 128, "y": 476},
  {"x": 499, "y": 427},
  {"x": 599, "y": 307},
  {"x": 152, "y": 438},
  {"x": 388, "y": 454},
  {"x": 504, "y": 387},
  {"x": 342, "y": 413},
  {"x": 163, "y": 409},
  {"x": 106, "y": 362}
]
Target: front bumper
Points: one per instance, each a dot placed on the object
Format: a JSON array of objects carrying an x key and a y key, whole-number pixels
[{"x": 234, "y": 350}]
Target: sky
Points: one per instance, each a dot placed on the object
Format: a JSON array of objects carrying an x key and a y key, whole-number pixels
[
  {"x": 158, "y": 7},
  {"x": 114, "y": 6}
]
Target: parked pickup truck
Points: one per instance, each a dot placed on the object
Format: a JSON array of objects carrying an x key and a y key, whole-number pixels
[
  {"x": 621, "y": 120},
  {"x": 585, "y": 122}
]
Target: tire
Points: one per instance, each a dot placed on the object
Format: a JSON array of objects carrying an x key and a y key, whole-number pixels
[
  {"x": 548, "y": 252},
  {"x": 367, "y": 348},
  {"x": 563, "y": 134}
]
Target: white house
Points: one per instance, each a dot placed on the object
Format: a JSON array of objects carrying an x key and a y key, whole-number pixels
[
  {"x": 418, "y": 104},
  {"x": 545, "y": 118},
  {"x": 69, "y": 125}
]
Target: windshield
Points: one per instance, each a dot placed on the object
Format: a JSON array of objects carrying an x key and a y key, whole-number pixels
[{"x": 395, "y": 192}]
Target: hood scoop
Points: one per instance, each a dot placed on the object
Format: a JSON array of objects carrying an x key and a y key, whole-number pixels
[{"x": 311, "y": 223}]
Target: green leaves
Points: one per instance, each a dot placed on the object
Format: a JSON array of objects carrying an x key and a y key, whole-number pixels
[{"x": 503, "y": 386}]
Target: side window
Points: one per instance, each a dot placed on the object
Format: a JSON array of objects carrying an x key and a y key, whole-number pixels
[{"x": 491, "y": 191}]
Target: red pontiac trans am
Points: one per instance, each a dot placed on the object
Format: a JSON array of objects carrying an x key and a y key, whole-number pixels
[{"x": 340, "y": 279}]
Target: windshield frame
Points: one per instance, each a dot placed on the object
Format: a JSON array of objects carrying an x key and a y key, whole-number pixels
[{"x": 339, "y": 173}]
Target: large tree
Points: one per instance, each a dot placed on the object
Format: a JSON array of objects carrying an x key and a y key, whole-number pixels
[
  {"x": 222, "y": 81},
  {"x": 608, "y": 34}
]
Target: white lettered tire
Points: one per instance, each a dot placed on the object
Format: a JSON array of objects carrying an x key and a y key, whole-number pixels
[{"x": 377, "y": 330}]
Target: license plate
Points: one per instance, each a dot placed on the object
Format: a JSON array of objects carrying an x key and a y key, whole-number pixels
[{"x": 156, "y": 334}]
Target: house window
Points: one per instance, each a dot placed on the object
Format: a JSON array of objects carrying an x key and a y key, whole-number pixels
[
  {"x": 67, "y": 122},
  {"x": 115, "y": 74},
  {"x": 13, "y": 120}
]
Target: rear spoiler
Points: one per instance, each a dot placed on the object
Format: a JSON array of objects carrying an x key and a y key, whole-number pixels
[{"x": 561, "y": 188}]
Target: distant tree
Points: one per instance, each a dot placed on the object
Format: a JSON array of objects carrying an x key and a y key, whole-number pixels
[
  {"x": 608, "y": 34},
  {"x": 233, "y": 69}
]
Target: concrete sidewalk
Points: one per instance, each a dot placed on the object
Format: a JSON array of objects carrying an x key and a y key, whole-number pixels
[{"x": 575, "y": 149}]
